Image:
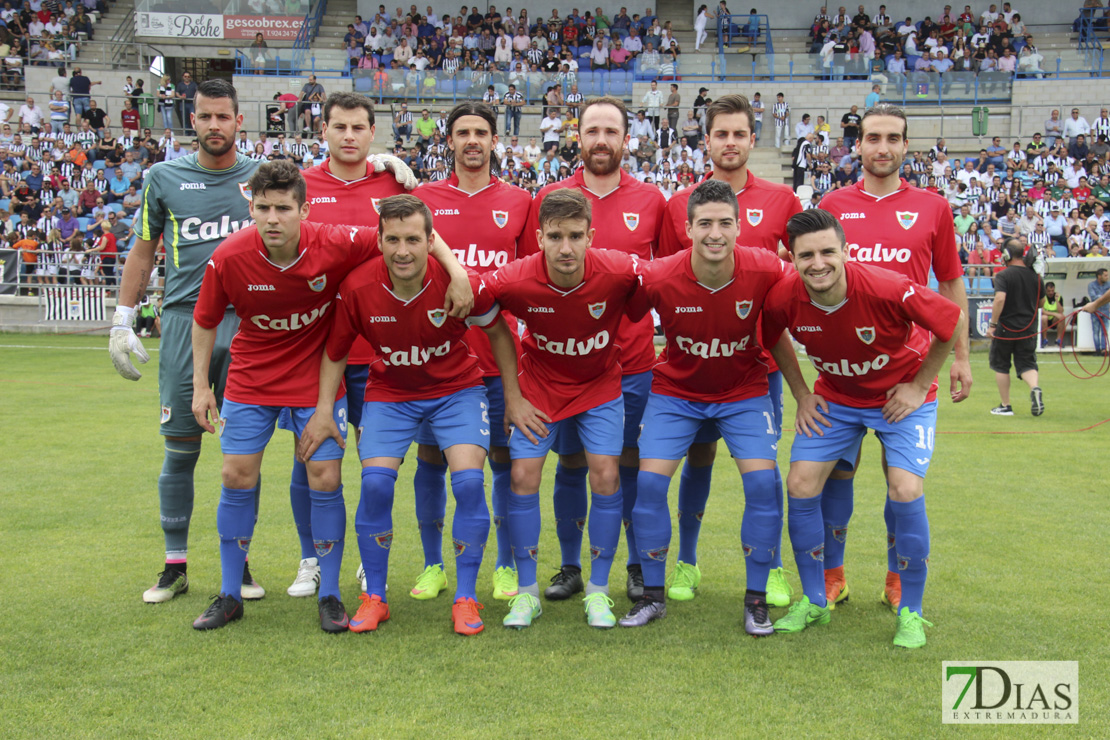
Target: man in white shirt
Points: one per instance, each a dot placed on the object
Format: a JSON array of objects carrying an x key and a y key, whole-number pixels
[
  {"x": 803, "y": 127},
  {"x": 552, "y": 128},
  {"x": 641, "y": 126},
  {"x": 1073, "y": 126},
  {"x": 31, "y": 115}
]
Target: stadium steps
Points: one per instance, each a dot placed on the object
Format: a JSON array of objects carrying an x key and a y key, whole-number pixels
[{"x": 333, "y": 26}]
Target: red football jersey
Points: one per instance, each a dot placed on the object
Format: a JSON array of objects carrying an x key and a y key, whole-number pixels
[
  {"x": 869, "y": 343},
  {"x": 765, "y": 207},
  {"x": 419, "y": 351},
  {"x": 627, "y": 219},
  {"x": 907, "y": 231},
  {"x": 571, "y": 353},
  {"x": 337, "y": 201},
  {"x": 481, "y": 242},
  {"x": 713, "y": 354},
  {"x": 283, "y": 311}
]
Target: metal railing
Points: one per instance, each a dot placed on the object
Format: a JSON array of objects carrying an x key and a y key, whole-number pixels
[
  {"x": 753, "y": 29},
  {"x": 122, "y": 38}
]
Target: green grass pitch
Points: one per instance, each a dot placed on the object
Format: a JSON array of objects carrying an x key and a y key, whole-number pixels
[{"x": 1018, "y": 572}]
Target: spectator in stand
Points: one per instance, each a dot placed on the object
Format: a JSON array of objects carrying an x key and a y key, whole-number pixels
[
  {"x": 129, "y": 118},
  {"x": 1074, "y": 127},
  {"x": 1052, "y": 315},
  {"x": 186, "y": 92}
]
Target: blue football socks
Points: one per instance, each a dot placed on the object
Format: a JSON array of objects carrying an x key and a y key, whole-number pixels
[
  {"x": 653, "y": 523},
  {"x": 469, "y": 528},
  {"x": 693, "y": 492},
  {"x": 524, "y": 533},
  {"x": 329, "y": 528},
  {"x": 430, "y": 486},
  {"x": 807, "y": 537},
  {"x": 571, "y": 505},
  {"x": 374, "y": 526},
  {"x": 911, "y": 527},
  {"x": 761, "y": 526},
  {"x": 235, "y": 525}
]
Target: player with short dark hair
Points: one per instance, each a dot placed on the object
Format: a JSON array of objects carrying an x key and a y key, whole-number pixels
[
  {"x": 764, "y": 209},
  {"x": 709, "y": 299},
  {"x": 862, "y": 329},
  {"x": 424, "y": 371},
  {"x": 627, "y": 215},
  {"x": 485, "y": 218},
  {"x": 573, "y": 300},
  {"x": 192, "y": 204},
  {"x": 343, "y": 189},
  {"x": 280, "y": 276},
  {"x": 910, "y": 231}
]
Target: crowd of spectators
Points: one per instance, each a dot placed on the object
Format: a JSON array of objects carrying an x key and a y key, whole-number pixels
[
  {"x": 953, "y": 47},
  {"x": 490, "y": 48},
  {"x": 42, "y": 33},
  {"x": 1050, "y": 190}
]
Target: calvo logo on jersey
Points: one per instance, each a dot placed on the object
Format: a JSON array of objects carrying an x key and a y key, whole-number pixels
[
  {"x": 596, "y": 309},
  {"x": 631, "y": 220},
  {"x": 500, "y": 218},
  {"x": 743, "y": 308},
  {"x": 437, "y": 317},
  {"x": 755, "y": 215},
  {"x": 866, "y": 334},
  {"x": 318, "y": 283},
  {"x": 245, "y": 190},
  {"x": 906, "y": 219}
]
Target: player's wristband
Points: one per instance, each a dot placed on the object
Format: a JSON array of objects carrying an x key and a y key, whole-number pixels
[
  {"x": 124, "y": 316},
  {"x": 992, "y": 324}
]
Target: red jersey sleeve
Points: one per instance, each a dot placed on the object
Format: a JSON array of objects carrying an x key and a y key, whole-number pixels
[
  {"x": 485, "y": 304},
  {"x": 213, "y": 300},
  {"x": 946, "y": 255},
  {"x": 674, "y": 228},
  {"x": 929, "y": 310},
  {"x": 343, "y": 331}
]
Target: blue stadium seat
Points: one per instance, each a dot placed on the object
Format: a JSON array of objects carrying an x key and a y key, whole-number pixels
[
  {"x": 364, "y": 84},
  {"x": 100, "y": 164},
  {"x": 1061, "y": 252},
  {"x": 5, "y": 203},
  {"x": 115, "y": 207},
  {"x": 83, "y": 223},
  {"x": 386, "y": 59}
]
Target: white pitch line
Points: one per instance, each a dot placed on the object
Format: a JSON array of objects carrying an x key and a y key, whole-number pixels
[{"x": 50, "y": 346}]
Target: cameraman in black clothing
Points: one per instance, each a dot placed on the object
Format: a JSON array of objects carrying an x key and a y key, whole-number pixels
[{"x": 1013, "y": 327}]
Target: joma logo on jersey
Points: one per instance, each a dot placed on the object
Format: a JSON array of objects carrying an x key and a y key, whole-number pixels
[
  {"x": 687, "y": 309},
  {"x": 194, "y": 228},
  {"x": 253, "y": 288},
  {"x": 324, "y": 199},
  {"x": 851, "y": 215},
  {"x": 290, "y": 323},
  {"x": 446, "y": 212},
  {"x": 382, "y": 319},
  {"x": 193, "y": 186},
  {"x": 808, "y": 328},
  {"x": 573, "y": 347},
  {"x": 474, "y": 257},
  {"x": 414, "y": 355},
  {"x": 878, "y": 253},
  {"x": 714, "y": 348},
  {"x": 850, "y": 369},
  {"x": 541, "y": 309}
]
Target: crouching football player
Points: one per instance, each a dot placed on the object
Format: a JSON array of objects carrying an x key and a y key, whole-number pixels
[
  {"x": 709, "y": 300},
  {"x": 425, "y": 371},
  {"x": 281, "y": 275},
  {"x": 866, "y": 330},
  {"x": 572, "y": 299}
]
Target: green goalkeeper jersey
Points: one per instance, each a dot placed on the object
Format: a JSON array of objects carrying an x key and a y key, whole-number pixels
[{"x": 192, "y": 208}]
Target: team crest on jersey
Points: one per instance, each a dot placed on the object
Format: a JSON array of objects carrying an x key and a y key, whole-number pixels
[
  {"x": 755, "y": 215},
  {"x": 743, "y": 308},
  {"x": 374, "y": 202},
  {"x": 500, "y": 218},
  {"x": 906, "y": 219},
  {"x": 245, "y": 190},
  {"x": 596, "y": 309},
  {"x": 318, "y": 283},
  {"x": 866, "y": 334},
  {"x": 167, "y": 412},
  {"x": 631, "y": 220},
  {"x": 437, "y": 317}
]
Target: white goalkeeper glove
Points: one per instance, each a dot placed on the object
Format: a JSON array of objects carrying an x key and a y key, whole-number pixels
[
  {"x": 122, "y": 342},
  {"x": 400, "y": 170}
]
